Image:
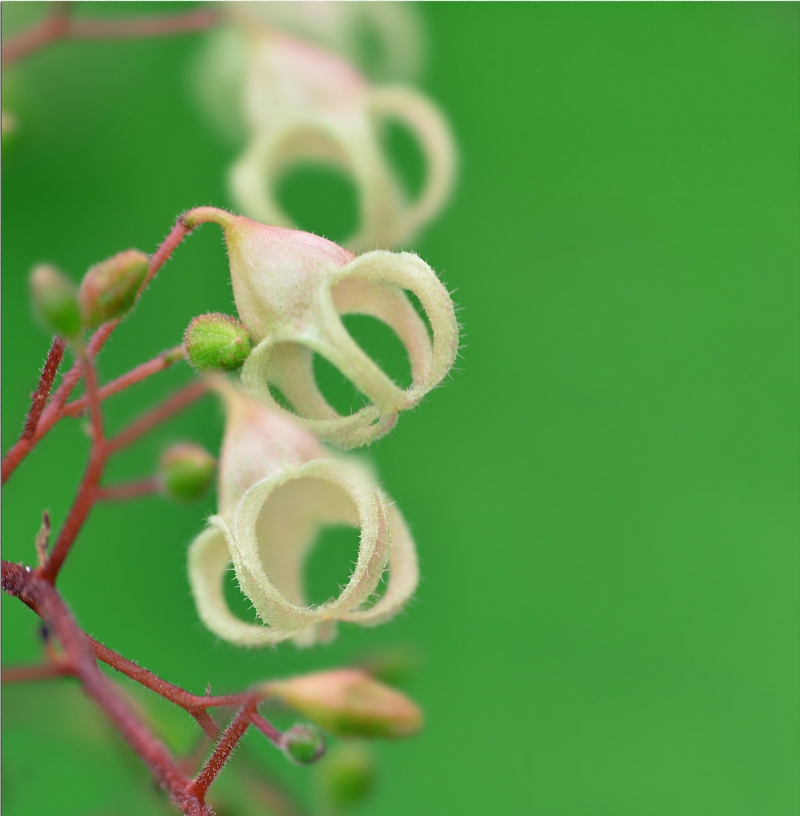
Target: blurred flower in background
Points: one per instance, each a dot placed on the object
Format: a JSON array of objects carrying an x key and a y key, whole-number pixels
[{"x": 289, "y": 101}]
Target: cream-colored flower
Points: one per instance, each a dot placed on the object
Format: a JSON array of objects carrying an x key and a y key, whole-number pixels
[
  {"x": 397, "y": 36},
  {"x": 303, "y": 104},
  {"x": 277, "y": 489},
  {"x": 291, "y": 289},
  {"x": 386, "y": 41}
]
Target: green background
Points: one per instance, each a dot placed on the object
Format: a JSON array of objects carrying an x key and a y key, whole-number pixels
[{"x": 604, "y": 495}]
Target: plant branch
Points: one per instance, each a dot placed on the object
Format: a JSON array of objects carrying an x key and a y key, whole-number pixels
[
  {"x": 136, "y": 375},
  {"x": 44, "y": 599},
  {"x": 177, "y": 402},
  {"x": 43, "y": 671},
  {"x": 224, "y": 748},
  {"x": 129, "y": 490},
  {"x": 58, "y": 25},
  {"x": 42, "y": 393},
  {"x": 52, "y": 413}
]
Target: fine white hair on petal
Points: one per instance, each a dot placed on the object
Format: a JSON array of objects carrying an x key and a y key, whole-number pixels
[
  {"x": 278, "y": 489},
  {"x": 291, "y": 290}
]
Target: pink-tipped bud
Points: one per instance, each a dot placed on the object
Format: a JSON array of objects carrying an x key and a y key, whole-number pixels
[
  {"x": 109, "y": 289},
  {"x": 349, "y": 703}
]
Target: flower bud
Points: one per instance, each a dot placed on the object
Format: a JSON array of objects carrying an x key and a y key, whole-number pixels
[
  {"x": 109, "y": 289},
  {"x": 304, "y": 744},
  {"x": 186, "y": 471},
  {"x": 349, "y": 703},
  {"x": 216, "y": 342},
  {"x": 55, "y": 301},
  {"x": 347, "y": 776}
]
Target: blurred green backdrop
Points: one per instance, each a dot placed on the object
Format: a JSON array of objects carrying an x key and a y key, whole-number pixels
[{"x": 604, "y": 496}]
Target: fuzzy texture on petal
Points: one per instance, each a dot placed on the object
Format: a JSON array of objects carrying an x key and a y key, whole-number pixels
[
  {"x": 291, "y": 290},
  {"x": 278, "y": 489}
]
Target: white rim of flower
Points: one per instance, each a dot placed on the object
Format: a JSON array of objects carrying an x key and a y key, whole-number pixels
[
  {"x": 430, "y": 360},
  {"x": 384, "y": 540},
  {"x": 349, "y": 141}
]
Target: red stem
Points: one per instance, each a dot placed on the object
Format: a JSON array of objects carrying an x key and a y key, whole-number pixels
[
  {"x": 131, "y": 490},
  {"x": 177, "y": 402},
  {"x": 58, "y": 26},
  {"x": 224, "y": 748},
  {"x": 44, "y": 599},
  {"x": 136, "y": 375},
  {"x": 52, "y": 413},
  {"x": 39, "y": 398},
  {"x": 90, "y": 383},
  {"x": 44, "y": 671},
  {"x": 168, "y": 246}
]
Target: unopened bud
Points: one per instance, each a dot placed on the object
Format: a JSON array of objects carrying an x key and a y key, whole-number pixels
[
  {"x": 216, "y": 342},
  {"x": 303, "y": 744},
  {"x": 55, "y": 301},
  {"x": 349, "y": 703},
  {"x": 186, "y": 471},
  {"x": 347, "y": 776},
  {"x": 109, "y": 289}
]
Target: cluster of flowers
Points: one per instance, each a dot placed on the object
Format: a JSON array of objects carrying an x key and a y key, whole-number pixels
[
  {"x": 297, "y": 96},
  {"x": 278, "y": 483},
  {"x": 290, "y": 100}
]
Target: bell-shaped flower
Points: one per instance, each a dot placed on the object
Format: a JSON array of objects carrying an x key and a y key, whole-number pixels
[
  {"x": 277, "y": 489},
  {"x": 303, "y": 104},
  {"x": 291, "y": 289},
  {"x": 386, "y": 40}
]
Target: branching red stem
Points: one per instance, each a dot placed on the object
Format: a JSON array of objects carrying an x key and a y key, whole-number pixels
[
  {"x": 224, "y": 748},
  {"x": 44, "y": 599},
  {"x": 129, "y": 490},
  {"x": 52, "y": 413},
  {"x": 59, "y": 26},
  {"x": 160, "y": 363}
]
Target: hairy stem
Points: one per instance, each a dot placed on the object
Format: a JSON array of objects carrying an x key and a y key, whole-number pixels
[
  {"x": 224, "y": 748},
  {"x": 44, "y": 599},
  {"x": 40, "y": 396},
  {"x": 52, "y": 413},
  {"x": 136, "y": 375}
]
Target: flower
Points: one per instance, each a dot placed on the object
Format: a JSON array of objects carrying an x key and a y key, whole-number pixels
[
  {"x": 397, "y": 34},
  {"x": 301, "y": 103},
  {"x": 395, "y": 52},
  {"x": 291, "y": 289},
  {"x": 277, "y": 489}
]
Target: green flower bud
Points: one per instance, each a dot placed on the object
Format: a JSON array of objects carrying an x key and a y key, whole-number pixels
[
  {"x": 349, "y": 703},
  {"x": 109, "y": 289},
  {"x": 304, "y": 744},
  {"x": 346, "y": 776},
  {"x": 55, "y": 301},
  {"x": 216, "y": 342},
  {"x": 186, "y": 471}
]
